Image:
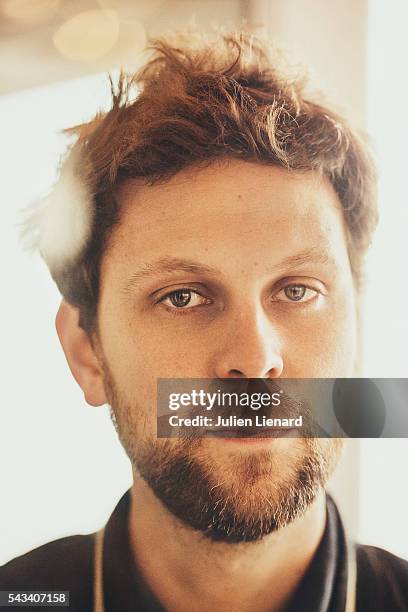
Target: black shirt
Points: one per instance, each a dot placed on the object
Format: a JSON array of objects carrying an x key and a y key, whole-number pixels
[{"x": 67, "y": 565}]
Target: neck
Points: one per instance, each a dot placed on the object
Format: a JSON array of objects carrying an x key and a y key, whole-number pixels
[{"x": 186, "y": 571}]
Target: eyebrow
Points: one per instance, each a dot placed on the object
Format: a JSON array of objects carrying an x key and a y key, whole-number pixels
[
  {"x": 314, "y": 255},
  {"x": 167, "y": 265}
]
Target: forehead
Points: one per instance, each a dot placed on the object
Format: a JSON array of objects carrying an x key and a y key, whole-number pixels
[{"x": 247, "y": 210}]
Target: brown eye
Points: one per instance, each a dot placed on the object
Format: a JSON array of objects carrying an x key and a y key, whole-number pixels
[
  {"x": 295, "y": 292},
  {"x": 184, "y": 300},
  {"x": 180, "y": 298}
]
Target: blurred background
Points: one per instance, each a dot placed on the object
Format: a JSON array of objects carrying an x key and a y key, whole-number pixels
[{"x": 61, "y": 466}]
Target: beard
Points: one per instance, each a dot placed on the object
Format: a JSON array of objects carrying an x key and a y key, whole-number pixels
[{"x": 235, "y": 497}]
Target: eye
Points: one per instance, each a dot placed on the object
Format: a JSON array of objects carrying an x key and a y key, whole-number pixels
[
  {"x": 297, "y": 293},
  {"x": 183, "y": 298}
]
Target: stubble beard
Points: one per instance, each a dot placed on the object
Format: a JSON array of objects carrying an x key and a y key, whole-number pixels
[{"x": 245, "y": 499}]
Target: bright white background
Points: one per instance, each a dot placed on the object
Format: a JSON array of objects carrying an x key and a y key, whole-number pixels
[
  {"x": 383, "y": 469},
  {"x": 61, "y": 467}
]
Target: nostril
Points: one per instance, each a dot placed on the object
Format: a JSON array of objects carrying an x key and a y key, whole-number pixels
[{"x": 236, "y": 373}]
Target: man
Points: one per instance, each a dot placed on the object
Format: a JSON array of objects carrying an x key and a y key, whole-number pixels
[{"x": 213, "y": 227}]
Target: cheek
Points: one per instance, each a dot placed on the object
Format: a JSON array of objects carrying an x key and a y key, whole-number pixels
[
  {"x": 326, "y": 346},
  {"x": 138, "y": 352}
]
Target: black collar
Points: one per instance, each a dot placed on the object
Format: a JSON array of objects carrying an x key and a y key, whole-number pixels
[{"x": 322, "y": 589}]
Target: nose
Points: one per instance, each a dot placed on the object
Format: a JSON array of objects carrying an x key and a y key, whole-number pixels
[{"x": 251, "y": 347}]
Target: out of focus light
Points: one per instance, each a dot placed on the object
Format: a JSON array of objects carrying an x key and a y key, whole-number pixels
[
  {"x": 30, "y": 11},
  {"x": 88, "y": 36},
  {"x": 129, "y": 9},
  {"x": 132, "y": 41}
]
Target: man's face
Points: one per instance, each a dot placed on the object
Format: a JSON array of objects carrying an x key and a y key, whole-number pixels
[{"x": 234, "y": 270}]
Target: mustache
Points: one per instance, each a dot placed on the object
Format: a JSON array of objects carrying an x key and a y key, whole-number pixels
[{"x": 228, "y": 395}]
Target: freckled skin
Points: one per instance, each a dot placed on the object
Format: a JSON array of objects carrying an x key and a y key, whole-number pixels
[
  {"x": 241, "y": 228},
  {"x": 242, "y": 220}
]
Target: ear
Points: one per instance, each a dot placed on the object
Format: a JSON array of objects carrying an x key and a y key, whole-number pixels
[{"x": 80, "y": 354}]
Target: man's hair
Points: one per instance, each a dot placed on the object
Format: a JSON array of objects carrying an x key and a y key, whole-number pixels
[{"x": 198, "y": 102}]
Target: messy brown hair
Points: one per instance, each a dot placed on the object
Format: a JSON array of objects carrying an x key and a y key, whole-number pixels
[{"x": 202, "y": 102}]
